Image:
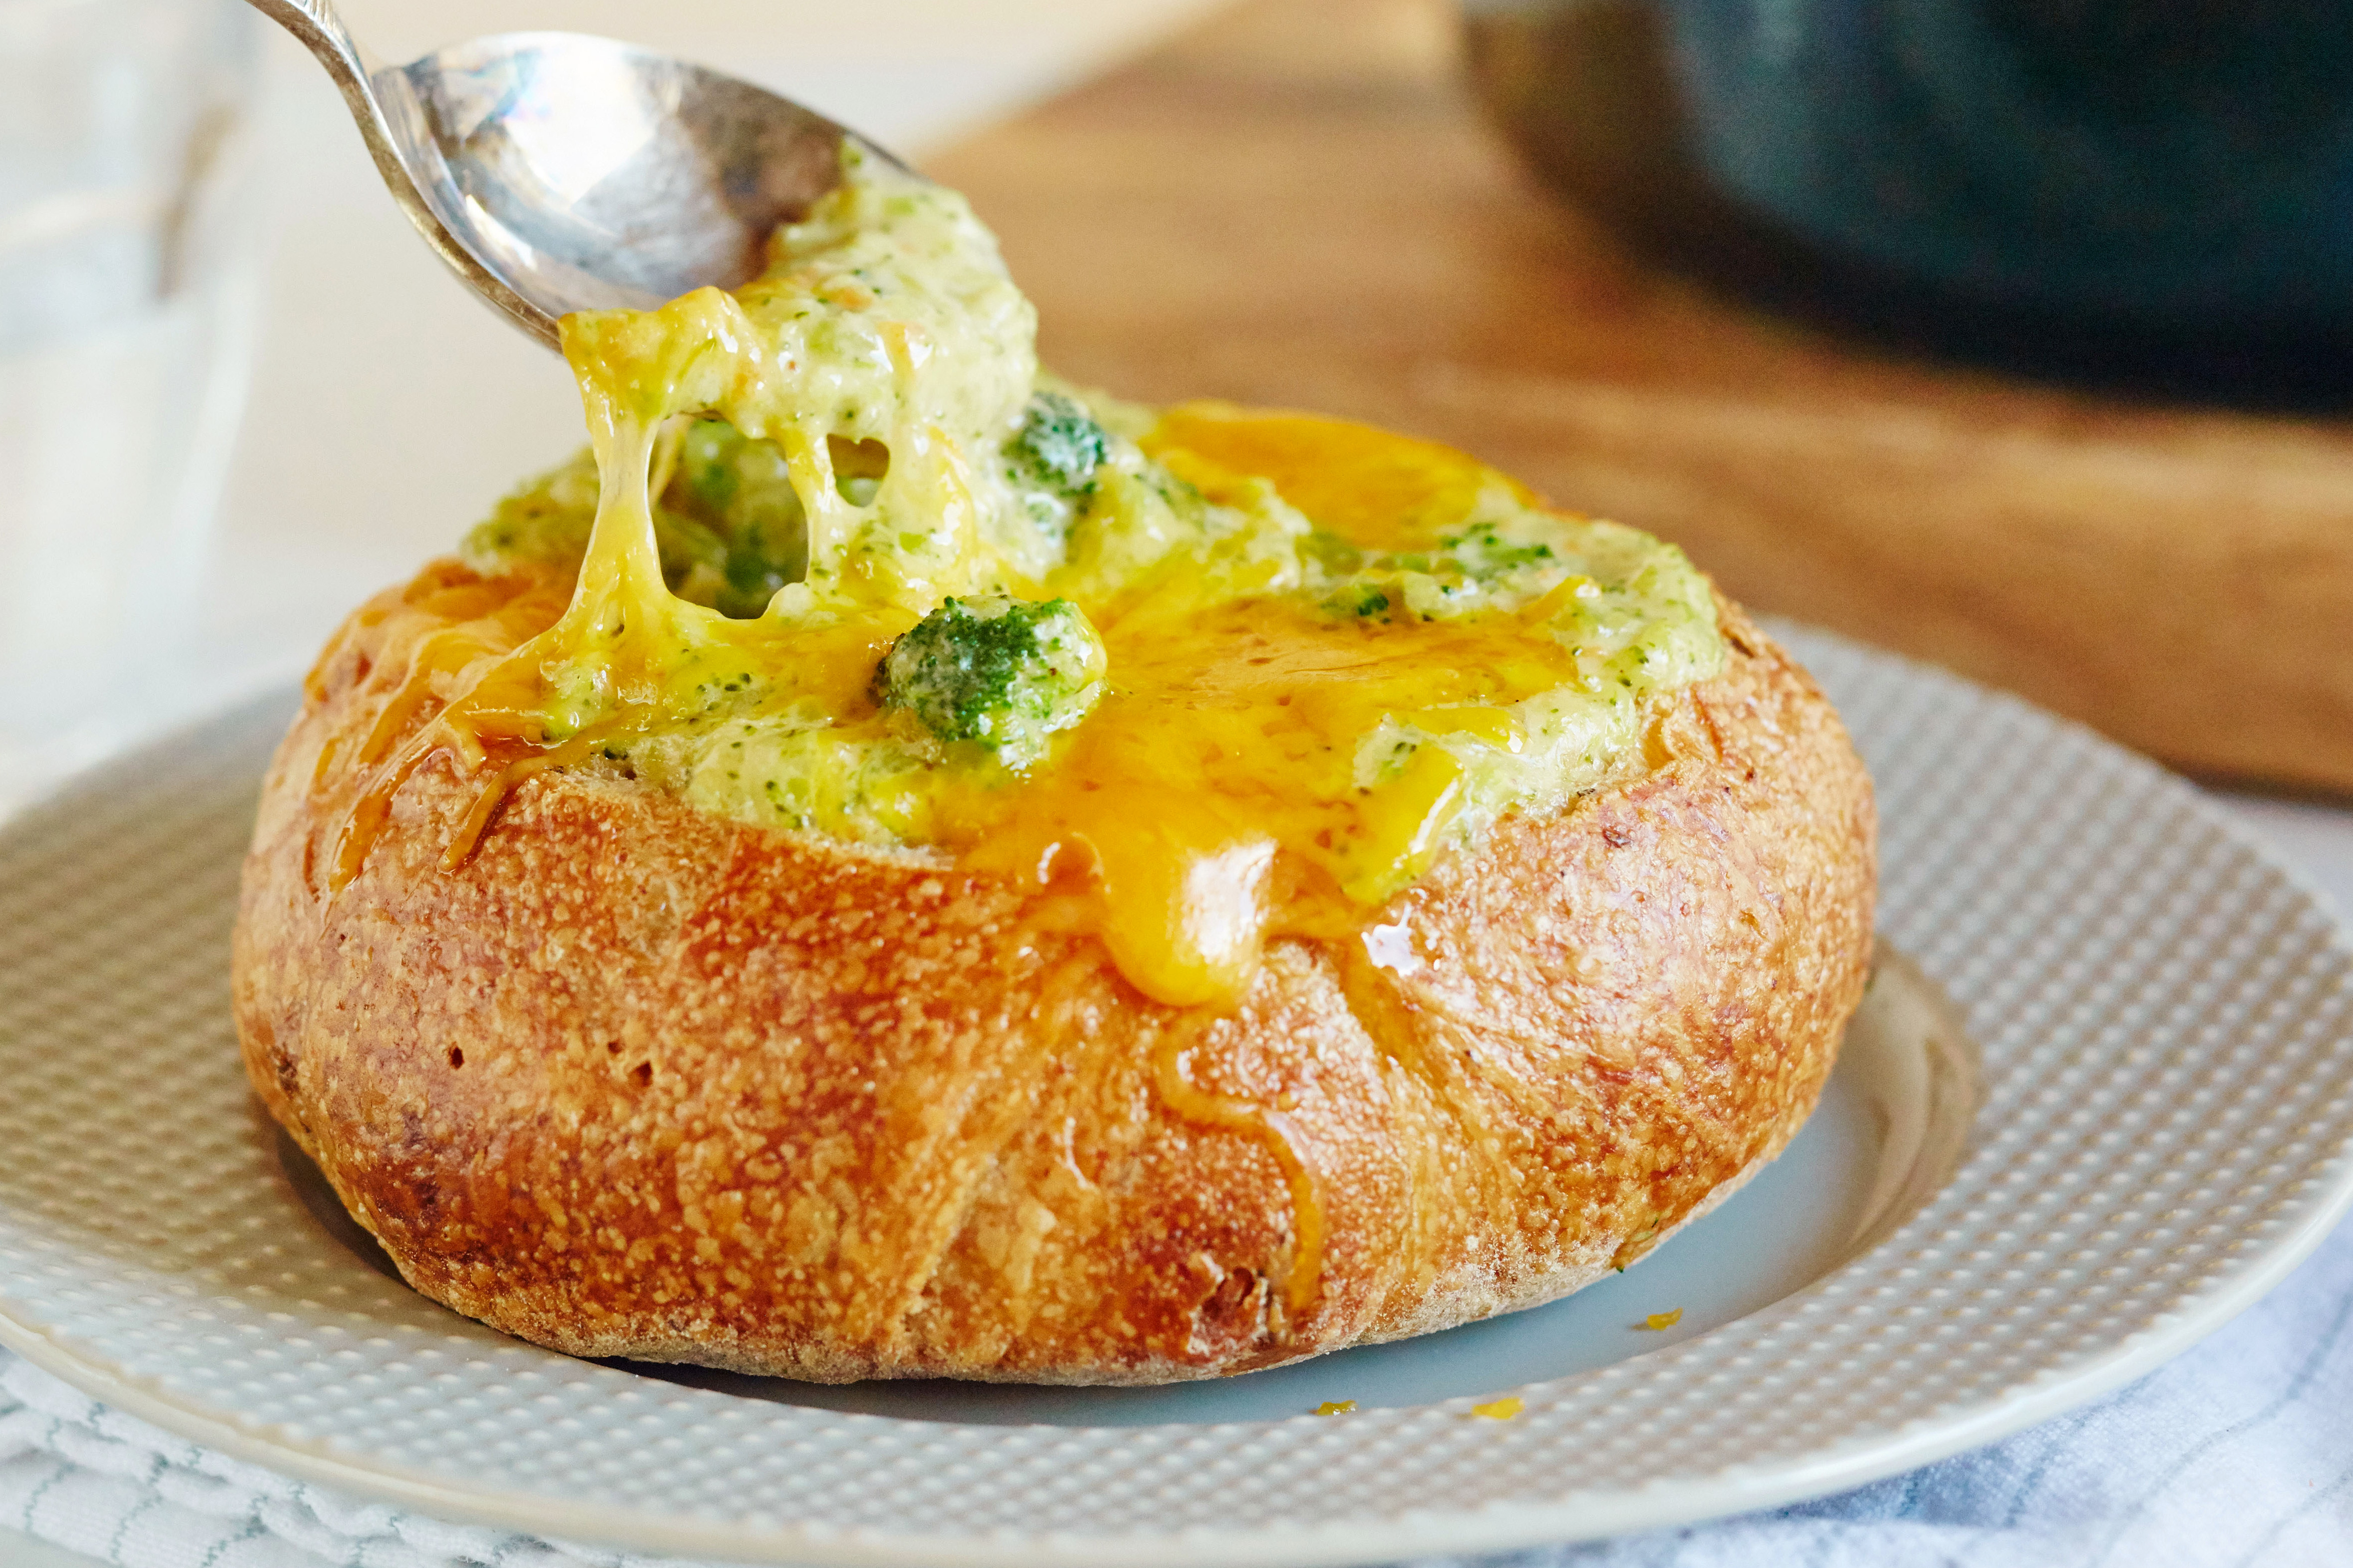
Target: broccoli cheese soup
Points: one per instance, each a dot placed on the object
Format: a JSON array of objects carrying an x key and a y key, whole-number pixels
[{"x": 840, "y": 560}]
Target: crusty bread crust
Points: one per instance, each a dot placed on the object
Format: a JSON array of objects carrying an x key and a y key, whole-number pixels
[{"x": 639, "y": 1081}]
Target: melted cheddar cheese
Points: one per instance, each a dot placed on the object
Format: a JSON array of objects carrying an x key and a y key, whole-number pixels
[{"x": 1330, "y": 654}]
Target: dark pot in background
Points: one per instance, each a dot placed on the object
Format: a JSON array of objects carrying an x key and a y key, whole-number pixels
[{"x": 2150, "y": 194}]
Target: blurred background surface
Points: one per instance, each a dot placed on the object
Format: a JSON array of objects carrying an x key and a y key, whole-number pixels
[
  {"x": 2150, "y": 195},
  {"x": 127, "y": 250},
  {"x": 1303, "y": 201}
]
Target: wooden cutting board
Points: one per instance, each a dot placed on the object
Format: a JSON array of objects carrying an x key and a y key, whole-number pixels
[{"x": 1298, "y": 204}]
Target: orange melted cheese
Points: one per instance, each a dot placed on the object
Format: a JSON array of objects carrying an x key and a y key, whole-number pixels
[
  {"x": 1375, "y": 489},
  {"x": 1211, "y": 797}
]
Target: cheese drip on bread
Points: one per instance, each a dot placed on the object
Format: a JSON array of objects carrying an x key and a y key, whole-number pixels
[{"x": 1328, "y": 655}]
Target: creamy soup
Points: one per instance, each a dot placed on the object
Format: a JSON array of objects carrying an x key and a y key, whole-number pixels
[{"x": 841, "y": 560}]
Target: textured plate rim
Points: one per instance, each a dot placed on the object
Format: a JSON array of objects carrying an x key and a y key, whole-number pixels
[
  {"x": 1500, "y": 1526},
  {"x": 1837, "y": 1465}
]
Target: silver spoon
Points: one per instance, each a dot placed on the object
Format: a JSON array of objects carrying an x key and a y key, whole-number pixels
[{"x": 556, "y": 171}]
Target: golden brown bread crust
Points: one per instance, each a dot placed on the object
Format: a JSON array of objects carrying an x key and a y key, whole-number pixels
[{"x": 639, "y": 1081}]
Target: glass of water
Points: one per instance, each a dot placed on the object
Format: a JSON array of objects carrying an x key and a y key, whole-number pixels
[{"x": 127, "y": 288}]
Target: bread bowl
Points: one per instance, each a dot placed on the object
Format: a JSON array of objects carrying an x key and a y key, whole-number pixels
[{"x": 926, "y": 876}]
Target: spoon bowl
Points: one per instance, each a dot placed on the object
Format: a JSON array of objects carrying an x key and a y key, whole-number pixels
[{"x": 556, "y": 172}]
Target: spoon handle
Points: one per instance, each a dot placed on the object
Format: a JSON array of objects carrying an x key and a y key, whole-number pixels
[
  {"x": 318, "y": 28},
  {"x": 375, "y": 95}
]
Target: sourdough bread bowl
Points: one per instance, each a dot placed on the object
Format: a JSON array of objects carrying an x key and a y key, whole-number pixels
[
  {"x": 1070, "y": 1039},
  {"x": 638, "y": 1081}
]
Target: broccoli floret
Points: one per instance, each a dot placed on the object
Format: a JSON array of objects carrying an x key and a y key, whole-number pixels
[
  {"x": 1058, "y": 448},
  {"x": 733, "y": 520},
  {"x": 710, "y": 456},
  {"x": 1002, "y": 672}
]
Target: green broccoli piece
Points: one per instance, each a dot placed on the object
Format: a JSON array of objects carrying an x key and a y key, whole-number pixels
[
  {"x": 1058, "y": 448},
  {"x": 709, "y": 458},
  {"x": 998, "y": 670},
  {"x": 733, "y": 522}
]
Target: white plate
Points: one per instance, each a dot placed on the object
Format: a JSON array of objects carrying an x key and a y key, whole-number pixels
[{"x": 2166, "y": 1029}]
